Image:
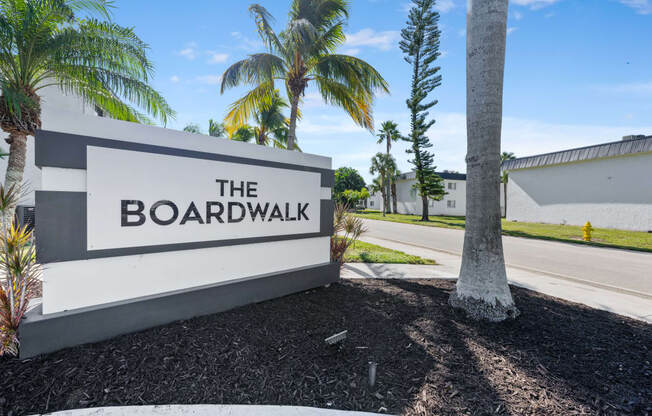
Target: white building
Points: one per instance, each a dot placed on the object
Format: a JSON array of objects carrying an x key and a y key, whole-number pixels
[
  {"x": 409, "y": 202},
  {"x": 54, "y": 104},
  {"x": 608, "y": 184}
]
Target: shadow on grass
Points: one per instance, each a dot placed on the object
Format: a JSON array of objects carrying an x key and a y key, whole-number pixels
[{"x": 558, "y": 358}]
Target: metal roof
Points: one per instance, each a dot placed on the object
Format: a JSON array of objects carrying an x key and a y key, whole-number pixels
[
  {"x": 599, "y": 151},
  {"x": 444, "y": 175}
]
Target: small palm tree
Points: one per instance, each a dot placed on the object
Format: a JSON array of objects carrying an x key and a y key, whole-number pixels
[
  {"x": 384, "y": 165},
  {"x": 303, "y": 53},
  {"x": 216, "y": 129},
  {"x": 389, "y": 133},
  {"x": 43, "y": 43},
  {"x": 244, "y": 134},
  {"x": 192, "y": 128},
  {"x": 270, "y": 118}
]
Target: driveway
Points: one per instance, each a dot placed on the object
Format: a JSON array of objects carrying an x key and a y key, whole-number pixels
[{"x": 626, "y": 271}]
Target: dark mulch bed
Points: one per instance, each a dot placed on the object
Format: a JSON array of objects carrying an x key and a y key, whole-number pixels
[{"x": 558, "y": 358}]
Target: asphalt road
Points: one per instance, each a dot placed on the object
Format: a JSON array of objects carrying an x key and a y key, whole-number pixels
[{"x": 627, "y": 270}]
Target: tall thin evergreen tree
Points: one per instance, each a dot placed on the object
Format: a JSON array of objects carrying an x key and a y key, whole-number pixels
[{"x": 420, "y": 44}]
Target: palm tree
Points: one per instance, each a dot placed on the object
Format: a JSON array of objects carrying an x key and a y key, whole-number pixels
[
  {"x": 44, "y": 43},
  {"x": 389, "y": 133},
  {"x": 244, "y": 134},
  {"x": 482, "y": 289},
  {"x": 216, "y": 129},
  {"x": 192, "y": 128},
  {"x": 268, "y": 119},
  {"x": 384, "y": 165},
  {"x": 504, "y": 177},
  {"x": 303, "y": 53}
]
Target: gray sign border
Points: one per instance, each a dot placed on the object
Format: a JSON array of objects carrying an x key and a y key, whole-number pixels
[{"x": 69, "y": 222}]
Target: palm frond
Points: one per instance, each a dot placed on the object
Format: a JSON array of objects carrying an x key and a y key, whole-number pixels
[
  {"x": 263, "y": 20},
  {"x": 351, "y": 71},
  {"x": 100, "y": 7},
  {"x": 320, "y": 13},
  {"x": 246, "y": 107},
  {"x": 341, "y": 95},
  {"x": 257, "y": 69}
]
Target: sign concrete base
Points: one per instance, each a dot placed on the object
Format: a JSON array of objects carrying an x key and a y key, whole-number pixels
[{"x": 41, "y": 334}]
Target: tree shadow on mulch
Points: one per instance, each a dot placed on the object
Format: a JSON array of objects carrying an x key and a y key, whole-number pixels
[{"x": 558, "y": 358}]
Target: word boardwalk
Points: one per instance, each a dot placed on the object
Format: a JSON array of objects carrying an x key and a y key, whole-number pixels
[{"x": 214, "y": 211}]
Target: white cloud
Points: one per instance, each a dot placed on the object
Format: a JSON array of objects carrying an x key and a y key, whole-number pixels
[
  {"x": 633, "y": 88},
  {"x": 641, "y": 6},
  {"x": 445, "y": 6},
  {"x": 216, "y": 58},
  {"x": 368, "y": 37},
  {"x": 522, "y": 136},
  {"x": 518, "y": 15},
  {"x": 351, "y": 51},
  {"x": 174, "y": 79},
  {"x": 511, "y": 30},
  {"x": 209, "y": 79},
  {"x": 246, "y": 43},
  {"x": 190, "y": 51},
  {"x": 534, "y": 4},
  {"x": 442, "y": 6}
]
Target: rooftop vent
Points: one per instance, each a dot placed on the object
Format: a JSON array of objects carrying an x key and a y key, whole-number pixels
[{"x": 634, "y": 137}]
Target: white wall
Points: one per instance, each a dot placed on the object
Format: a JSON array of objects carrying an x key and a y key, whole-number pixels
[
  {"x": 54, "y": 105},
  {"x": 410, "y": 203},
  {"x": 375, "y": 202},
  {"x": 75, "y": 284},
  {"x": 611, "y": 193}
]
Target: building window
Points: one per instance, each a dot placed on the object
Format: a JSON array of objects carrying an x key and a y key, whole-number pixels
[
  {"x": 452, "y": 186},
  {"x": 371, "y": 203},
  {"x": 413, "y": 193},
  {"x": 450, "y": 203},
  {"x": 431, "y": 203}
]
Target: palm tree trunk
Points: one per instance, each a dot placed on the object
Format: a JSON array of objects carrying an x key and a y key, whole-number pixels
[
  {"x": 388, "y": 208},
  {"x": 15, "y": 169},
  {"x": 383, "y": 191},
  {"x": 261, "y": 137},
  {"x": 394, "y": 198},
  {"x": 482, "y": 289},
  {"x": 292, "y": 134}
]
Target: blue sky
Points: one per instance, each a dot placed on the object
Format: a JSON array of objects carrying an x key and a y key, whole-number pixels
[{"x": 578, "y": 72}]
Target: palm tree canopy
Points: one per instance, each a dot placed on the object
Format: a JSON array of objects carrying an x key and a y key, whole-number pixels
[
  {"x": 389, "y": 129},
  {"x": 302, "y": 53},
  {"x": 192, "y": 128},
  {"x": 43, "y": 42},
  {"x": 383, "y": 164},
  {"x": 216, "y": 129}
]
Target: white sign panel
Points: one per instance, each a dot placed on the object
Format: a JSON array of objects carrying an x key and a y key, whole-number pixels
[{"x": 137, "y": 199}]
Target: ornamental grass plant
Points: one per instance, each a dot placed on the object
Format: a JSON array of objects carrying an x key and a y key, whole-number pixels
[
  {"x": 347, "y": 228},
  {"x": 20, "y": 274}
]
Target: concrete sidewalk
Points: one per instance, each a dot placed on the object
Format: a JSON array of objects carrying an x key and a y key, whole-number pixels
[
  {"x": 209, "y": 410},
  {"x": 596, "y": 296}
]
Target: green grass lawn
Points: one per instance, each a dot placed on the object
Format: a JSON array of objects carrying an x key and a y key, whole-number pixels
[
  {"x": 363, "y": 252},
  {"x": 630, "y": 240}
]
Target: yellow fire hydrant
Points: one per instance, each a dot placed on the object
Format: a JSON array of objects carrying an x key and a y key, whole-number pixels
[{"x": 587, "y": 231}]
